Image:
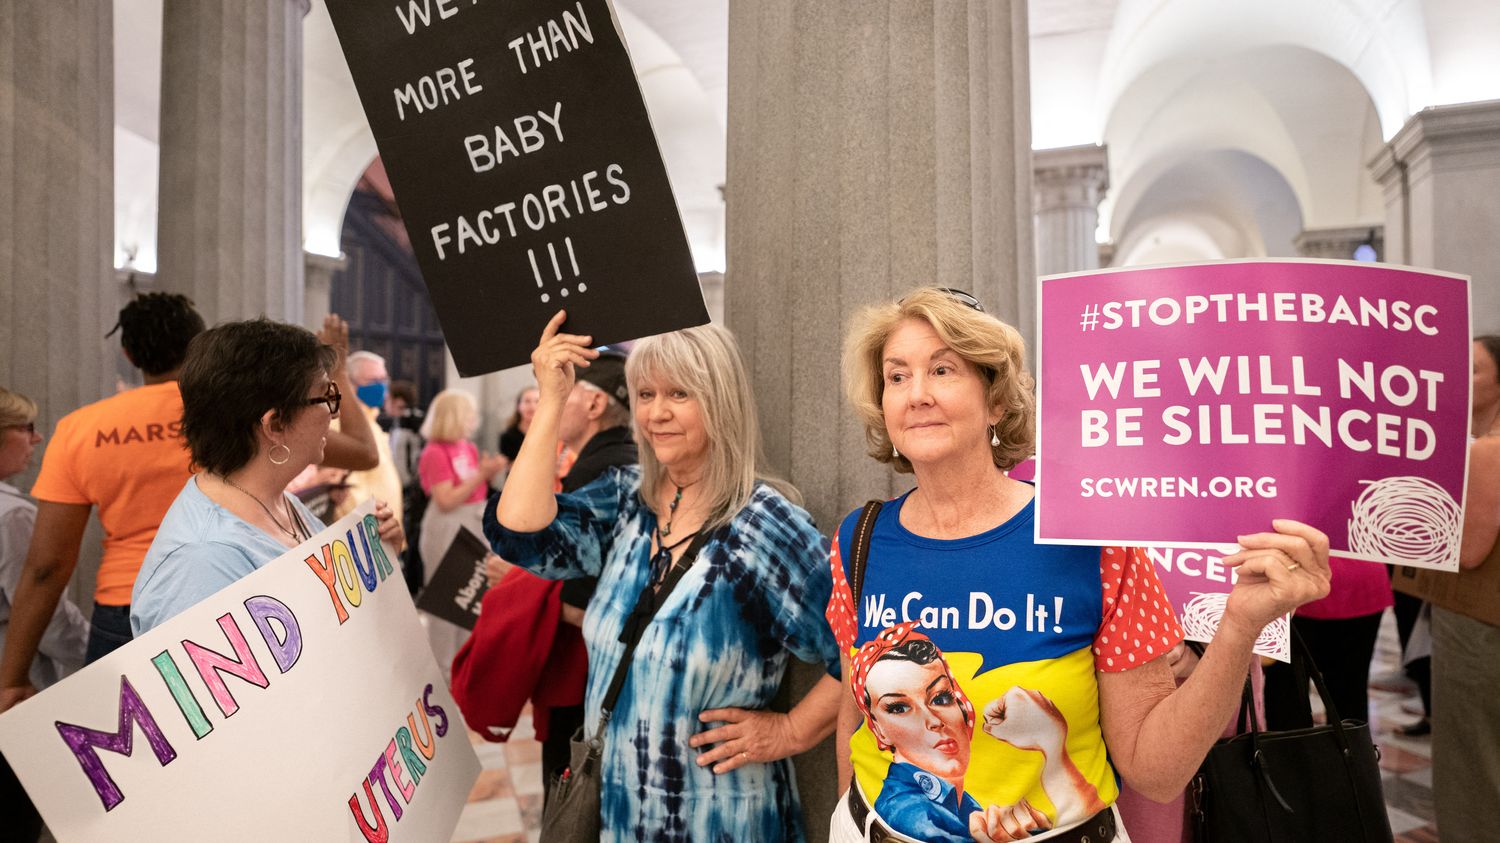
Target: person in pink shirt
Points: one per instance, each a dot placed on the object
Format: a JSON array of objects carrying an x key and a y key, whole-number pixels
[{"x": 456, "y": 478}]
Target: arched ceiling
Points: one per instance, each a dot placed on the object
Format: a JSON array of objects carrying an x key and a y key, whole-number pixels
[
  {"x": 1310, "y": 87},
  {"x": 1210, "y": 203},
  {"x": 1304, "y": 116}
]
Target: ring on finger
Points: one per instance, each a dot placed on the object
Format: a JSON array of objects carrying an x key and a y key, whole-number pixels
[{"x": 1292, "y": 567}]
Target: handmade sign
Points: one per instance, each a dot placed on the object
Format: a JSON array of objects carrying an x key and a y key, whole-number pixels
[
  {"x": 1182, "y": 405},
  {"x": 459, "y": 583},
  {"x": 300, "y": 703},
  {"x": 522, "y": 156},
  {"x": 1198, "y": 584}
]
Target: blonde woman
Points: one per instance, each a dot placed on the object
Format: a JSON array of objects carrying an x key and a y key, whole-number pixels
[
  {"x": 456, "y": 478},
  {"x": 1063, "y": 649},
  {"x": 711, "y": 659}
]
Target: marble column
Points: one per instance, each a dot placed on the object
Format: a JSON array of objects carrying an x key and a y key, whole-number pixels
[
  {"x": 1067, "y": 185},
  {"x": 318, "y": 271},
  {"x": 1339, "y": 243},
  {"x": 1440, "y": 175},
  {"x": 229, "y": 230},
  {"x": 872, "y": 148},
  {"x": 58, "y": 293}
]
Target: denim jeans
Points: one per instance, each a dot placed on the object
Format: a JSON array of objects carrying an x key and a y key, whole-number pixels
[{"x": 109, "y": 630}]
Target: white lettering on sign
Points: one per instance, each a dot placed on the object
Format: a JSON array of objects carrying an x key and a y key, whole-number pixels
[
  {"x": 552, "y": 39},
  {"x": 437, "y": 88},
  {"x": 528, "y": 137},
  {"x": 420, "y": 12}
]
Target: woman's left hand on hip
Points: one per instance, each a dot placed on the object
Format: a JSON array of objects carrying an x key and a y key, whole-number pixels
[{"x": 747, "y": 737}]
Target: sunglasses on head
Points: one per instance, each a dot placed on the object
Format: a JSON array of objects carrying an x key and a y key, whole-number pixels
[{"x": 966, "y": 299}]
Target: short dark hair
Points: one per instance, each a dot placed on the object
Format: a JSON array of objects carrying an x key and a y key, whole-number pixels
[
  {"x": 405, "y": 391},
  {"x": 233, "y": 374},
  {"x": 1491, "y": 343},
  {"x": 155, "y": 329}
]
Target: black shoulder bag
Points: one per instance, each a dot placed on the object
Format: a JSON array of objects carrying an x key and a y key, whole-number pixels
[
  {"x": 572, "y": 814},
  {"x": 859, "y": 554},
  {"x": 1316, "y": 784}
]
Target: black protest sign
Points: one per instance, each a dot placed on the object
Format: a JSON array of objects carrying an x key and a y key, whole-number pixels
[
  {"x": 459, "y": 583},
  {"x": 521, "y": 154}
]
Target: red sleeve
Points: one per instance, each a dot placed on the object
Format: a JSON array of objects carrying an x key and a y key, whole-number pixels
[
  {"x": 840, "y": 612},
  {"x": 1139, "y": 624}
]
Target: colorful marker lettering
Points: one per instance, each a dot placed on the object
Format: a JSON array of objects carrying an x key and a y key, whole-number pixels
[
  {"x": 191, "y": 710},
  {"x": 84, "y": 742},
  {"x": 286, "y": 648},
  {"x": 324, "y": 569},
  {"x": 211, "y": 665}
]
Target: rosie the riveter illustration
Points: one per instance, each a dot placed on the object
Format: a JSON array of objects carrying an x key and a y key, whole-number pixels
[{"x": 918, "y": 712}]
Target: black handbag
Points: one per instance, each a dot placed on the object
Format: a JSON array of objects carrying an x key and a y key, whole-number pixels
[
  {"x": 1315, "y": 784},
  {"x": 571, "y": 814}
]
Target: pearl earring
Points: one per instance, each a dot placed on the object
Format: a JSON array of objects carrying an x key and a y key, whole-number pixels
[{"x": 994, "y": 438}]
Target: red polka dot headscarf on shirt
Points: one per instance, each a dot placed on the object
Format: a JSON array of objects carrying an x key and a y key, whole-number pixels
[{"x": 875, "y": 649}]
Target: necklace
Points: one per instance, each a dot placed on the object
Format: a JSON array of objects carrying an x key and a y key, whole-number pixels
[
  {"x": 672, "y": 509},
  {"x": 661, "y": 563},
  {"x": 291, "y": 516}
]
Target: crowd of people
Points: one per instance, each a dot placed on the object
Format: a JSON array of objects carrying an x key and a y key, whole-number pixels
[{"x": 650, "y": 564}]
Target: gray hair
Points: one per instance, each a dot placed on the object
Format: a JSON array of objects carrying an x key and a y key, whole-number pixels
[{"x": 706, "y": 363}]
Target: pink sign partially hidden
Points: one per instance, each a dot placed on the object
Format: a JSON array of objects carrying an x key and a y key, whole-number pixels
[
  {"x": 1198, "y": 584},
  {"x": 1182, "y": 406}
]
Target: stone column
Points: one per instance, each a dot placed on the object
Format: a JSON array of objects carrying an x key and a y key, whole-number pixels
[
  {"x": 1440, "y": 175},
  {"x": 317, "y": 295},
  {"x": 58, "y": 294},
  {"x": 1339, "y": 243},
  {"x": 229, "y": 230},
  {"x": 872, "y": 148},
  {"x": 1069, "y": 182}
]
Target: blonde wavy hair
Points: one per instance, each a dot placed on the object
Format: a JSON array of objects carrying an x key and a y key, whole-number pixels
[
  {"x": 706, "y": 363},
  {"x": 449, "y": 416},
  {"x": 15, "y": 408},
  {"x": 994, "y": 348}
]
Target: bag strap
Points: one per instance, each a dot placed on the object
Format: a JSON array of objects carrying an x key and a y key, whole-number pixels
[
  {"x": 647, "y": 605},
  {"x": 859, "y": 554}
]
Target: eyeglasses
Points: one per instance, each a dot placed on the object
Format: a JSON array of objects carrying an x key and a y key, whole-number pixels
[
  {"x": 28, "y": 427},
  {"x": 331, "y": 398}
]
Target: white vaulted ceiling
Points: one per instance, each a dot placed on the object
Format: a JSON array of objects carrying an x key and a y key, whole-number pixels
[{"x": 1277, "y": 104}]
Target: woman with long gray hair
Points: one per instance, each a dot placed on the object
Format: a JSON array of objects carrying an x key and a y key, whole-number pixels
[{"x": 690, "y": 751}]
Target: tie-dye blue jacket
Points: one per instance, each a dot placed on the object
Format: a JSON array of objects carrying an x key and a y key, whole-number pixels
[{"x": 755, "y": 595}]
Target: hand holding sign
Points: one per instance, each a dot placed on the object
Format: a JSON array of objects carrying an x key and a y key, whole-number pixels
[
  {"x": 1277, "y": 572},
  {"x": 554, "y": 358}
]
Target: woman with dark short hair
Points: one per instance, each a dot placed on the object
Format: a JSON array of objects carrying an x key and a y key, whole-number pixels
[{"x": 257, "y": 399}]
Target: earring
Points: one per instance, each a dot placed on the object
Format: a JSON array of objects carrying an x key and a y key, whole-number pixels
[
  {"x": 994, "y": 438},
  {"x": 895, "y": 453},
  {"x": 283, "y": 461}
]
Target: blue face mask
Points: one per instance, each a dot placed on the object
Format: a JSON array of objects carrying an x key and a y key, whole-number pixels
[{"x": 372, "y": 394}]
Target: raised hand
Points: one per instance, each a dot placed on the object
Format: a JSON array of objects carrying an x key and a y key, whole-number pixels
[{"x": 555, "y": 357}]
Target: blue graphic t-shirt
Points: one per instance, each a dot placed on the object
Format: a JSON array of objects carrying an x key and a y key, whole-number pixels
[{"x": 973, "y": 663}]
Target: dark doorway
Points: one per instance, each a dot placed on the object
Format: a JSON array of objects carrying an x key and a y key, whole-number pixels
[{"x": 380, "y": 291}]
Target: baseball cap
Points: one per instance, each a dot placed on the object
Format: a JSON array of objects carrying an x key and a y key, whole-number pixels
[{"x": 607, "y": 372}]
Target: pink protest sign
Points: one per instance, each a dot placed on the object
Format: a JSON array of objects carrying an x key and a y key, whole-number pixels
[{"x": 1181, "y": 406}]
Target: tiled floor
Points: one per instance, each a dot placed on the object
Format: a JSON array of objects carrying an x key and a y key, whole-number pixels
[
  {"x": 1405, "y": 763},
  {"x": 505, "y": 805}
]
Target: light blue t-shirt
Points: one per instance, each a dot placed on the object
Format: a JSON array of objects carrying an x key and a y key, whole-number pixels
[{"x": 200, "y": 548}]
